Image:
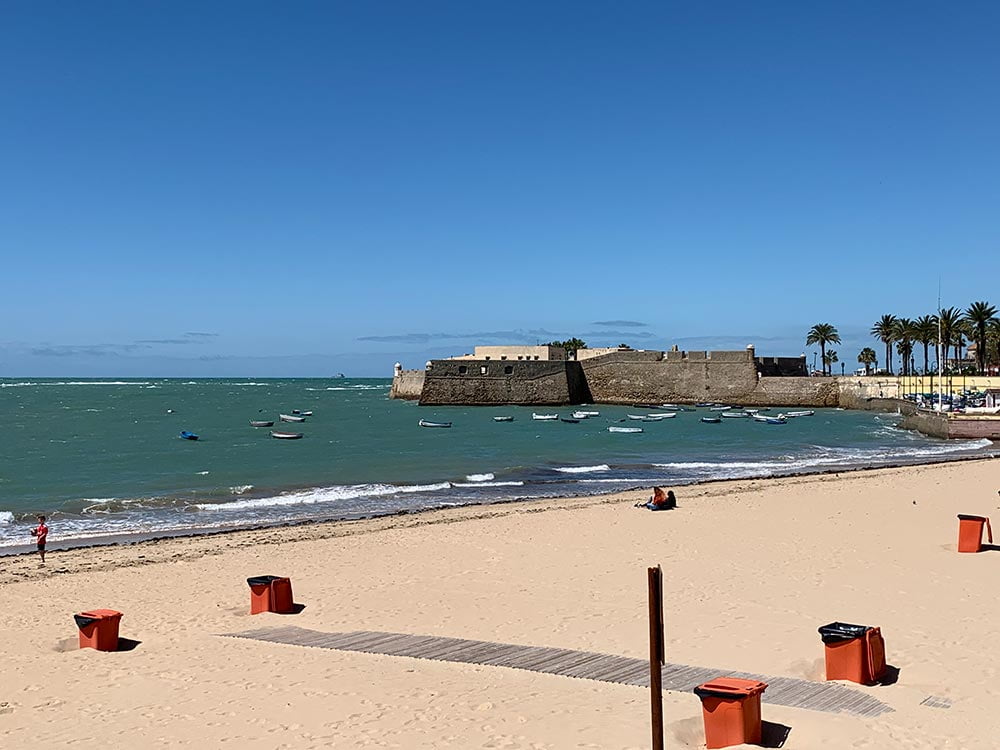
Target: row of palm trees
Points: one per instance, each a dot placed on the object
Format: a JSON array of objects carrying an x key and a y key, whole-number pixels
[
  {"x": 951, "y": 327},
  {"x": 978, "y": 323}
]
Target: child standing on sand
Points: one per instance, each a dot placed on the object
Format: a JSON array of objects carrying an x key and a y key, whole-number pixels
[{"x": 40, "y": 533}]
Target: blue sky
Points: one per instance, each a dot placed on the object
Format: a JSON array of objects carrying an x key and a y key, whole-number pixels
[{"x": 250, "y": 188}]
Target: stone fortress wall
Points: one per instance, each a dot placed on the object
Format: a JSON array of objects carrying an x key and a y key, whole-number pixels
[{"x": 620, "y": 376}]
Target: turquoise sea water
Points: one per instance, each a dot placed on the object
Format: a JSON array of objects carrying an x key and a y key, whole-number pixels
[{"x": 105, "y": 457}]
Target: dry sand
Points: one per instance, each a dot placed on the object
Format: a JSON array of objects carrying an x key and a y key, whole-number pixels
[{"x": 752, "y": 568}]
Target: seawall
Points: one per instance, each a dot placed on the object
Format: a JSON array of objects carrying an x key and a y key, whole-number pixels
[
  {"x": 489, "y": 382},
  {"x": 407, "y": 384}
]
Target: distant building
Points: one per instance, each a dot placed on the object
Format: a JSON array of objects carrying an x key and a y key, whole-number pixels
[{"x": 542, "y": 353}]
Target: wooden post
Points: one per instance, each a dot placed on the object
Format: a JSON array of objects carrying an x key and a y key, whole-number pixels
[{"x": 656, "y": 653}]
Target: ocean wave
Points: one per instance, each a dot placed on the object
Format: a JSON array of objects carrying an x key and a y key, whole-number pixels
[
  {"x": 480, "y": 477},
  {"x": 824, "y": 457},
  {"x": 511, "y": 483},
  {"x": 6, "y": 516},
  {"x": 323, "y": 495},
  {"x": 582, "y": 469},
  {"x": 241, "y": 488}
]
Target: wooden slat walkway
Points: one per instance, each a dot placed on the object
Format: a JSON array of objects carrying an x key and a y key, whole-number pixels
[{"x": 783, "y": 691}]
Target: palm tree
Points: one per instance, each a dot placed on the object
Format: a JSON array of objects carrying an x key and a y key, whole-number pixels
[
  {"x": 884, "y": 330},
  {"x": 822, "y": 334},
  {"x": 903, "y": 335},
  {"x": 925, "y": 331},
  {"x": 867, "y": 357},
  {"x": 829, "y": 358},
  {"x": 980, "y": 317},
  {"x": 949, "y": 318}
]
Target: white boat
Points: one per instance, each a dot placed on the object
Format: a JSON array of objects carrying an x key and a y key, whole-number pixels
[
  {"x": 734, "y": 414},
  {"x": 806, "y": 413},
  {"x": 285, "y": 435},
  {"x": 672, "y": 407},
  {"x": 425, "y": 423},
  {"x": 307, "y": 414},
  {"x": 503, "y": 419},
  {"x": 769, "y": 420},
  {"x": 660, "y": 415},
  {"x": 544, "y": 417},
  {"x": 720, "y": 408},
  {"x": 291, "y": 418},
  {"x": 590, "y": 413},
  {"x": 624, "y": 429},
  {"x": 636, "y": 417},
  {"x": 581, "y": 415},
  {"x": 751, "y": 412}
]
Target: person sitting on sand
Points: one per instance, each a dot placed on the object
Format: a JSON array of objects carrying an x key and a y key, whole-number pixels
[
  {"x": 660, "y": 500},
  {"x": 41, "y": 533}
]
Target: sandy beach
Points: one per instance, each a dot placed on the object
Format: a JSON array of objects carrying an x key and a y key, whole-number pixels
[{"x": 752, "y": 568}]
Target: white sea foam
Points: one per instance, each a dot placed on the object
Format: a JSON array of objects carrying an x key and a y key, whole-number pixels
[
  {"x": 480, "y": 477},
  {"x": 511, "y": 483},
  {"x": 323, "y": 495},
  {"x": 240, "y": 488},
  {"x": 6, "y": 516},
  {"x": 823, "y": 457},
  {"x": 583, "y": 469}
]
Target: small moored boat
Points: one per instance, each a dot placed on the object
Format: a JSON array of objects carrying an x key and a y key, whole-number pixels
[
  {"x": 636, "y": 417},
  {"x": 806, "y": 413},
  {"x": 185, "y": 435},
  {"x": 291, "y": 418},
  {"x": 624, "y": 429},
  {"x": 734, "y": 414},
  {"x": 569, "y": 421},
  {"x": 590, "y": 413},
  {"x": 260, "y": 423},
  {"x": 544, "y": 417},
  {"x": 307, "y": 414},
  {"x": 281, "y": 435},
  {"x": 661, "y": 415},
  {"x": 581, "y": 415},
  {"x": 425, "y": 423},
  {"x": 712, "y": 420},
  {"x": 503, "y": 419}
]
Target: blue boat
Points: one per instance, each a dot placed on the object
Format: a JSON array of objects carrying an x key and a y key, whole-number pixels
[{"x": 185, "y": 435}]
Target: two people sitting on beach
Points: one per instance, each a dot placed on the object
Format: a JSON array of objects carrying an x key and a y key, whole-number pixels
[{"x": 660, "y": 500}]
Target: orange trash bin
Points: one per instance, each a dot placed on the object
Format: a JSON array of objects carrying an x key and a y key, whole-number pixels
[
  {"x": 970, "y": 532},
  {"x": 281, "y": 596},
  {"x": 99, "y": 629},
  {"x": 270, "y": 594},
  {"x": 731, "y": 710},
  {"x": 853, "y": 652}
]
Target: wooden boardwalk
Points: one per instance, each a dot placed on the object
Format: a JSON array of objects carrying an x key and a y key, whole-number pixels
[{"x": 587, "y": 665}]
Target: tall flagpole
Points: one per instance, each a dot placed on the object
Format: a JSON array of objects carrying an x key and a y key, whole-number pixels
[{"x": 940, "y": 381}]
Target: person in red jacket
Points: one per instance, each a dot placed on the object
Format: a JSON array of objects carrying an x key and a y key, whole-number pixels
[{"x": 41, "y": 533}]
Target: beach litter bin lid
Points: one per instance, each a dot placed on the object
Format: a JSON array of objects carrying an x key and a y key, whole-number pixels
[
  {"x": 83, "y": 619},
  {"x": 966, "y": 517},
  {"x": 730, "y": 687},
  {"x": 262, "y": 580},
  {"x": 836, "y": 632}
]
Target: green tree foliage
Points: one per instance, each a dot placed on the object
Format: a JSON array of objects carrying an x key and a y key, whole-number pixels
[
  {"x": 867, "y": 357},
  {"x": 885, "y": 330},
  {"x": 570, "y": 345},
  {"x": 925, "y": 331},
  {"x": 822, "y": 334},
  {"x": 979, "y": 317}
]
